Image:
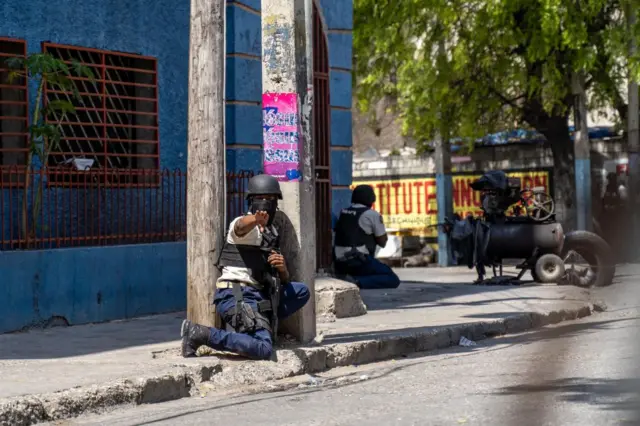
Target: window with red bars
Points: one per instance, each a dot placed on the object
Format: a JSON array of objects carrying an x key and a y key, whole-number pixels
[
  {"x": 116, "y": 118},
  {"x": 14, "y": 111}
]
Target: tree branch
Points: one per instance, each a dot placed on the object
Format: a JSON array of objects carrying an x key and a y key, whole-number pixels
[
  {"x": 588, "y": 83},
  {"x": 602, "y": 75},
  {"x": 510, "y": 102}
]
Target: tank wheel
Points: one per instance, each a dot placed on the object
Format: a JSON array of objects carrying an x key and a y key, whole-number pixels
[
  {"x": 549, "y": 268},
  {"x": 539, "y": 206},
  {"x": 588, "y": 260}
]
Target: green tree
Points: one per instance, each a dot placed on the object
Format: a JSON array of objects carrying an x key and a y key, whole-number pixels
[
  {"x": 463, "y": 68},
  {"x": 42, "y": 69}
]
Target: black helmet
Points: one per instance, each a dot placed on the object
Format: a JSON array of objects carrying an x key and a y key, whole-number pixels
[
  {"x": 264, "y": 185},
  {"x": 363, "y": 194}
]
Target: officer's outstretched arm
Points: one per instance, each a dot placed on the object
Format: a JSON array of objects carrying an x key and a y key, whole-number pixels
[{"x": 250, "y": 221}]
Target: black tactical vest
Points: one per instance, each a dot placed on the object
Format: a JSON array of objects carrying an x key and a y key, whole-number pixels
[
  {"x": 348, "y": 230},
  {"x": 252, "y": 257}
]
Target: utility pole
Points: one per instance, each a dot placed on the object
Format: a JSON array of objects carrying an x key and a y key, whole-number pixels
[
  {"x": 444, "y": 182},
  {"x": 287, "y": 99},
  {"x": 632, "y": 128},
  {"x": 205, "y": 162},
  {"x": 444, "y": 196},
  {"x": 582, "y": 152}
]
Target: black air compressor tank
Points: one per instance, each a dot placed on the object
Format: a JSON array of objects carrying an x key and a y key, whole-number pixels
[{"x": 518, "y": 240}]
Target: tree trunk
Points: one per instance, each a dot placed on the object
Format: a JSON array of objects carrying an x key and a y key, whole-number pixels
[
  {"x": 556, "y": 131},
  {"x": 206, "y": 174}
]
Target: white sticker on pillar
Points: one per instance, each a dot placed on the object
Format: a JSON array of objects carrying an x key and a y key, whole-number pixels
[{"x": 280, "y": 136}]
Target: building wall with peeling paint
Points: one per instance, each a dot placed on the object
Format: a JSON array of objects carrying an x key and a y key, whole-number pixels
[
  {"x": 338, "y": 18},
  {"x": 93, "y": 284},
  {"x": 244, "y": 91},
  {"x": 160, "y": 29}
]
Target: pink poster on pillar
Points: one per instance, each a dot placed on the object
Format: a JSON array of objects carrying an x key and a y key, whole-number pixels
[{"x": 280, "y": 136}]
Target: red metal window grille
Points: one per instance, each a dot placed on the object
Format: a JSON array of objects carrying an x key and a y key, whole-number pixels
[
  {"x": 116, "y": 119},
  {"x": 102, "y": 215},
  {"x": 322, "y": 142},
  {"x": 14, "y": 110}
]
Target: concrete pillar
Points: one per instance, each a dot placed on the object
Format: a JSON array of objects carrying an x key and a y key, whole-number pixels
[
  {"x": 444, "y": 197},
  {"x": 582, "y": 155},
  {"x": 287, "y": 98}
]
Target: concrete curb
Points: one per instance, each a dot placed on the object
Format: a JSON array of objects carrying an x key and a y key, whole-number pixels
[{"x": 204, "y": 375}]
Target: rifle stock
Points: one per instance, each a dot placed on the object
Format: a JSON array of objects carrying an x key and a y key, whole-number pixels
[
  {"x": 275, "y": 302},
  {"x": 274, "y": 295}
]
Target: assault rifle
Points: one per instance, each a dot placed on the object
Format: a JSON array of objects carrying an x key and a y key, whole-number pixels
[{"x": 274, "y": 296}]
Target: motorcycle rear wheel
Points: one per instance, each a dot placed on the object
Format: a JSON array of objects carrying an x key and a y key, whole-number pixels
[{"x": 595, "y": 252}]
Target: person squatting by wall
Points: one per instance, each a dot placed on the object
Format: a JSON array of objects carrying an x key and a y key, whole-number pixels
[
  {"x": 246, "y": 297},
  {"x": 358, "y": 231}
]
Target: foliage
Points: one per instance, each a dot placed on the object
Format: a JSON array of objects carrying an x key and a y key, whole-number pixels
[
  {"x": 43, "y": 69},
  {"x": 465, "y": 68},
  {"x": 468, "y": 67},
  {"x": 40, "y": 70}
]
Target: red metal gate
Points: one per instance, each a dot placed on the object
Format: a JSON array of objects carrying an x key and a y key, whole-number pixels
[{"x": 322, "y": 142}]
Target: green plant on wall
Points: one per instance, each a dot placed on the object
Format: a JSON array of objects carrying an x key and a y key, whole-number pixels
[{"x": 45, "y": 132}]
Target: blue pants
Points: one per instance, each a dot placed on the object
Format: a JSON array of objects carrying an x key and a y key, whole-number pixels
[
  {"x": 370, "y": 273},
  {"x": 258, "y": 345}
]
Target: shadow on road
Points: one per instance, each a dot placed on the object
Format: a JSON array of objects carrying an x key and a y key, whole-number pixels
[
  {"x": 416, "y": 295},
  {"x": 611, "y": 394},
  {"x": 62, "y": 342},
  {"x": 608, "y": 394},
  {"x": 81, "y": 340}
]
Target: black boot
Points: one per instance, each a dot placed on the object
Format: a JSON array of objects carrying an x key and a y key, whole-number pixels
[{"x": 193, "y": 336}]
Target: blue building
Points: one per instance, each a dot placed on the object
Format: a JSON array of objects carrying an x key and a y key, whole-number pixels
[{"x": 95, "y": 230}]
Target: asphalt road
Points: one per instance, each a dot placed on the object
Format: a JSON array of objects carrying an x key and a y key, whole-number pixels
[{"x": 581, "y": 373}]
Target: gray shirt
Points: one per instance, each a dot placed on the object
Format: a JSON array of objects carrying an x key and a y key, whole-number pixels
[{"x": 371, "y": 223}]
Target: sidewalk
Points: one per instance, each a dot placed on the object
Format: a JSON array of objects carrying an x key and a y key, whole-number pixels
[{"x": 431, "y": 309}]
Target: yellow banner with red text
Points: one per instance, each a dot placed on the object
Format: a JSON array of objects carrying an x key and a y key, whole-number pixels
[{"x": 409, "y": 206}]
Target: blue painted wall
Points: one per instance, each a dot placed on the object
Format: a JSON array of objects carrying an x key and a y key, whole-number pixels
[
  {"x": 158, "y": 28},
  {"x": 99, "y": 284},
  {"x": 91, "y": 284},
  {"x": 338, "y": 19},
  {"x": 244, "y": 88}
]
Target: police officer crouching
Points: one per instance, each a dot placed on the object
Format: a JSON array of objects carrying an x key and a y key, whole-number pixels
[
  {"x": 357, "y": 233},
  {"x": 254, "y": 290}
]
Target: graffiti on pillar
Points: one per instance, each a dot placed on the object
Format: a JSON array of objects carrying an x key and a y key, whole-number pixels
[
  {"x": 277, "y": 55},
  {"x": 280, "y": 136}
]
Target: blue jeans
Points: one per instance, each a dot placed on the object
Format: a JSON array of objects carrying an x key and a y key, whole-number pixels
[
  {"x": 369, "y": 273},
  {"x": 257, "y": 345}
]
